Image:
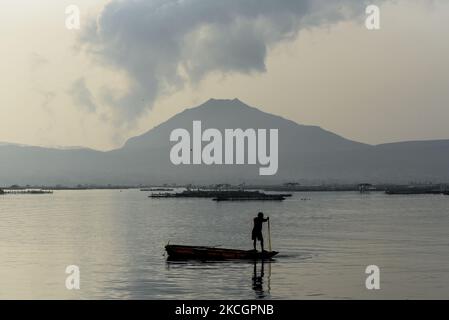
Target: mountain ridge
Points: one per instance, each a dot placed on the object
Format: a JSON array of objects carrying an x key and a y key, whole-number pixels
[
  {"x": 305, "y": 153},
  {"x": 220, "y": 107}
]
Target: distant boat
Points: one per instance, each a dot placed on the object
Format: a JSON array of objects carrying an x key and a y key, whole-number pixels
[
  {"x": 222, "y": 195},
  {"x": 26, "y": 191},
  {"x": 265, "y": 197},
  {"x": 412, "y": 191},
  {"x": 156, "y": 189},
  {"x": 181, "y": 252}
]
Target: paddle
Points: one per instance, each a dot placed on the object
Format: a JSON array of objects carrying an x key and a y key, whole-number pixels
[{"x": 269, "y": 235}]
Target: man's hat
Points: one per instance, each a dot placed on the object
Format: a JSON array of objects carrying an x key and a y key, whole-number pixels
[{"x": 260, "y": 214}]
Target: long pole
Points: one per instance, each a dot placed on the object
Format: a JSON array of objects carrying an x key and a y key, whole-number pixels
[{"x": 269, "y": 235}]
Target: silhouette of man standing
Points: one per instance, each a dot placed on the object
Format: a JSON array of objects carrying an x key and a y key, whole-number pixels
[{"x": 257, "y": 229}]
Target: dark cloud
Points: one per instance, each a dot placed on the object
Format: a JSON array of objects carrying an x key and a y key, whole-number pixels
[
  {"x": 162, "y": 44},
  {"x": 82, "y": 96}
]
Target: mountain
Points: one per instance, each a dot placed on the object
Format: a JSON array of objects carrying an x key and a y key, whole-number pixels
[{"x": 305, "y": 152}]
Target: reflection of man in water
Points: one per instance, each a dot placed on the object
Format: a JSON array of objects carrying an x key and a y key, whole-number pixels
[
  {"x": 258, "y": 281},
  {"x": 257, "y": 229}
]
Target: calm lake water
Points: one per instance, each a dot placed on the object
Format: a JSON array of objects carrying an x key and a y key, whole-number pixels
[{"x": 117, "y": 239}]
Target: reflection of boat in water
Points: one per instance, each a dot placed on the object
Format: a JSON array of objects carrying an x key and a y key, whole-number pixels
[
  {"x": 181, "y": 252},
  {"x": 259, "y": 276}
]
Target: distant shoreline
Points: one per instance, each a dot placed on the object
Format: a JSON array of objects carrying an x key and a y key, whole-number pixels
[{"x": 363, "y": 187}]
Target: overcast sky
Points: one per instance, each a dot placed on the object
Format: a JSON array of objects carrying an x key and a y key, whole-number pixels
[{"x": 136, "y": 63}]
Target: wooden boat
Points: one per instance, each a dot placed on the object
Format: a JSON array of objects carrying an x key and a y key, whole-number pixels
[{"x": 179, "y": 252}]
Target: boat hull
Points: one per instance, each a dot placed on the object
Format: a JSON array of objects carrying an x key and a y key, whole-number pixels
[{"x": 178, "y": 252}]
